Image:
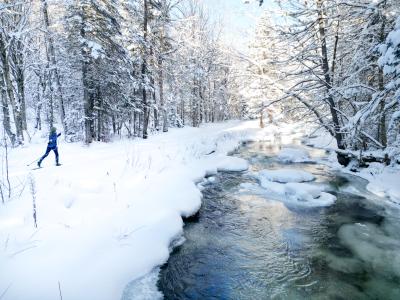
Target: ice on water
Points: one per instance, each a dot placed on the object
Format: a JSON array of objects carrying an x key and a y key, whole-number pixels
[
  {"x": 374, "y": 246},
  {"x": 289, "y": 186},
  {"x": 293, "y": 155},
  {"x": 285, "y": 175}
]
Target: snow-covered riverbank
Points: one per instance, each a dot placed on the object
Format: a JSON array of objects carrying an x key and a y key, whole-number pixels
[
  {"x": 110, "y": 213},
  {"x": 383, "y": 180}
]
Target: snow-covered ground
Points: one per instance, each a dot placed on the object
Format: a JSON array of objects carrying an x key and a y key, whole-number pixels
[{"x": 109, "y": 214}]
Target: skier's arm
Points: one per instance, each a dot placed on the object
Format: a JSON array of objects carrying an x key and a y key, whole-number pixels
[{"x": 58, "y": 135}]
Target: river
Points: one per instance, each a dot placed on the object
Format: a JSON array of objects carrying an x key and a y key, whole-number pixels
[{"x": 244, "y": 244}]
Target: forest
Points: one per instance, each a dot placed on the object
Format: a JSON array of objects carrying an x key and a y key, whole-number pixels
[{"x": 103, "y": 68}]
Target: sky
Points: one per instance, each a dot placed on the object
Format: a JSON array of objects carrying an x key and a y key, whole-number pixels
[{"x": 238, "y": 19}]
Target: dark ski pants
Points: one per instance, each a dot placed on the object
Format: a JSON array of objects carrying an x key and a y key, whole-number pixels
[{"x": 47, "y": 153}]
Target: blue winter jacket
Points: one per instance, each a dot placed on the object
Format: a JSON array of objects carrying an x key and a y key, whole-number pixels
[{"x": 53, "y": 140}]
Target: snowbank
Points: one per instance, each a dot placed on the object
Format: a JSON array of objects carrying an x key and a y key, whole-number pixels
[
  {"x": 384, "y": 181},
  {"x": 109, "y": 214}
]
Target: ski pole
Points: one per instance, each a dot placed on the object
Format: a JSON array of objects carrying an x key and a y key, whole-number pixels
[{"x": 33, "y": 162}]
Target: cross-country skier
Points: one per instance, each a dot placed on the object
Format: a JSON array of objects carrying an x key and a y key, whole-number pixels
[{"x": 52, "y": 145}]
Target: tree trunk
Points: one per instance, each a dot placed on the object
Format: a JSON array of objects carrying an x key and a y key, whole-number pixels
[
  {"x": 6, "y": 111},
  {"x": 114, "y": 125},
  {"x": 153, "y": 104},
  {"x": 146, "y": 112},
  {"x": 262, "y": 119},
  {"x": 382, "y": 134},
  {"x": 200, "y": 114},
  {"x": 38, "y": 124},
  {"x": 162, "y": 100},
  {"x": 161, "y": 83},
  {"x": 156, "y": 121},
  {"x": 52, "y": 61},
  {"x": 193, "y": 109},
  {"x": 155, "y": 107},
  {"x": 327, "y": 76},
  {"x": 183, "y": 111},
  {"x": 134, "y": 115},
  {"x": 38, "y": 121},
  {"x": 21, "y": 95},
  {"x": 194, "y": 104},
  {"x": 92, "y": 99},
  {"x": 140, "y": 122},
  {"x": 100, "y": 136},
  {"x": 10, "y": 93},
  {"x": 50, "y": 116},
  {"x": 87, "y": 97},
  {"x": 18, "y": 72}
]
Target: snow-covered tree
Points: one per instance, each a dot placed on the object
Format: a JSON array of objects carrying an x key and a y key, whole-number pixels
[
  {"x": 14, "y": 41},
  {"x": 331, "y": 69},
  {"x": 390, "y": 62}
]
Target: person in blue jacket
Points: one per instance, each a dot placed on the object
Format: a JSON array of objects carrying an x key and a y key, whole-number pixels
[{"x": 52, "y": 145}]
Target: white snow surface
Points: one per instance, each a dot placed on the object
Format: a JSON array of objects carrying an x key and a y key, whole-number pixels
[
  {"x": 384, "y": 181},
  {"x": 308, "y": 195},
  {"x": 108, "y": 215},
  {"x": 288, "y": 186},
  {"x": 285, "y": 175},
  {"x": 303, "y": 191},
  {"x": 389, "y": 58},
  {"x": 293, "y": 155},
  {"x": 230, "y": 163}
]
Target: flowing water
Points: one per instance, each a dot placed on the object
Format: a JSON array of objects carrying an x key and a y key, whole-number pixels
[{"x": 245, "y": 245}]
